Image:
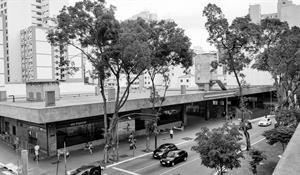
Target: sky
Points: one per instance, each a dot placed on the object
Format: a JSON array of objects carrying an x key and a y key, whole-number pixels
[{"x": 188, "y": 13}]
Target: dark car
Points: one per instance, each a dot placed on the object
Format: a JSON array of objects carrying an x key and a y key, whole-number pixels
[
  {"x": 163, "y": 150},
  {"x": 174, "y": 157},
  {"x": 87, "y": 170}
]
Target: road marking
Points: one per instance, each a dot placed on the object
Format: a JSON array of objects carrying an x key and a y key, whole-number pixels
[
  {"x": 133, "y": 158},
  {"x": 179, "y": 166},
  {"x": 125, "y": 171},
  {"x": 146, "y": 167}
]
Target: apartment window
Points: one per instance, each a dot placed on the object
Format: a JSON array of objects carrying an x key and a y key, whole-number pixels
[
  {"x": 8, "y": 79},
  {"x": 38, "y": 13},
  {"x": 40, "y": 25},
  {"x": 181, "y": 81},
  {"x": 5, "y": 11},
  {"x": 7, "y": 65},
  {"x": 187, "y": 80},
  {"x": 4, "y": 4},
  {"x": 39, "y": 1},
  {"x": 38, "y": 7}
]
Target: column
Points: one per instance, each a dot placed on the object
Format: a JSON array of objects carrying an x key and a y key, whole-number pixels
[
  {"x": 184, "y": 115},
  {"x": 24, "y": 159}
]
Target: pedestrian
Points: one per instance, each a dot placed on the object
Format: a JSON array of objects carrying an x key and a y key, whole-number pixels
[
  {"x": 36, "y": 152},
  {"x": 130, "y": 137},
  {"x": 171, "y": 133},
  {"x": 132, "y": 144},
  {"x": 16, "y": 143},
  {"x": 90, "y": 147}
]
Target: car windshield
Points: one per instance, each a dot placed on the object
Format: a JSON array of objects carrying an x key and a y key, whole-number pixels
[
  {"x": 171, "y": 154},
  {"x": 162, "y": 147}
]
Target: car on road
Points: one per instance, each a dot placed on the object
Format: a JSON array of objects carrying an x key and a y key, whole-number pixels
[
  {"x": 87, "y": 170},
  {"x": 162, "y": 150},
  {"x": 266, "y": 121},
  {"x": 174, "y": 157}
]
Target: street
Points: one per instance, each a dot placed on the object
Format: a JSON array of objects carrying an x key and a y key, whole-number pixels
[{"x": 146, "y": 165}]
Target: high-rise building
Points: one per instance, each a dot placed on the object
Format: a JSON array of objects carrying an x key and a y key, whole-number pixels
[
  {"x": 286, "y": 11},
  {"x": 2, "y": 70},
  {"x": 146, "y": 15},
  {"x": 42, "y": 62},
  {"x": 18, "y": 15}
]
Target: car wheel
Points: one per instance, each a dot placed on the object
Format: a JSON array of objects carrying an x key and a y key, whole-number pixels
[
  {"x": 172, "y": 164},
  {"x": 184, "y": 158}
]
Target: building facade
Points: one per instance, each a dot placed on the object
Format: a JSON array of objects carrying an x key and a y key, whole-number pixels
[
  {"x": 32, "y": 12},
  {"x": 286, "y": 11}
]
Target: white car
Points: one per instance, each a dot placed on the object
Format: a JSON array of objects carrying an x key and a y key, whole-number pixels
[{"x": 266, "y": 121}]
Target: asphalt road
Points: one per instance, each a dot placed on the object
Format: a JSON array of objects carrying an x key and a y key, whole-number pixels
[{"x": 146, "y": 165}]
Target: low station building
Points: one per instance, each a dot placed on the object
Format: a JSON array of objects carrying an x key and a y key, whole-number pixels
[{"x": 49, "y": 119}]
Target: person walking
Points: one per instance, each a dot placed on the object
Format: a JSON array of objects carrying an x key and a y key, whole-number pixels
[
  {"x": 16, "y": 144},
  {"x": 171, "y": 133},
  {"x": 36, "y": 152},
  {"x": 90, "y": 147}
]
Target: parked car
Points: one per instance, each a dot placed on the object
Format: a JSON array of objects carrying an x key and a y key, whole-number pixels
[
  {"x": 87, "y": 170},
  {"x": 174, "y": 157},
  {"x": 163, "y": 150},
  {"x": 266, "y": 121}
]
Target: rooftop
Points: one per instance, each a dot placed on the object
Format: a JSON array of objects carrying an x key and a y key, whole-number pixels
[{"x": 74, "y": 106}]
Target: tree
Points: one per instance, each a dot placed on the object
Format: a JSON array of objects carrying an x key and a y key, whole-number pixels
[
  {"x": 235, "y": 43},
  {"x": 281, "y": 134},
  {"x": 271, "y": 34},
  {"x": 169, "y": 46},
  {"x": 219, "y": 148},
  {"x": 113, "y": 48},
  {"x": 256, "y": 157}
]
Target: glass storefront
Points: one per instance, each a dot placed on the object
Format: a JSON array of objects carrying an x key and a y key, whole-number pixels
[{"x": 77, "y": 132}]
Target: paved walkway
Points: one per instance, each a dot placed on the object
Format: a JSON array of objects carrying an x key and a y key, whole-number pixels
[{"x": 83, "y": 157}]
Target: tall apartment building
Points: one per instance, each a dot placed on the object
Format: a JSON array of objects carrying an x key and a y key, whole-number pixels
[
  {"x": 286, "y": 11},
  {"x": 41, "y": 61},
  {"x": 2, "y": 70},
  {"x": 18, "y": 15}
]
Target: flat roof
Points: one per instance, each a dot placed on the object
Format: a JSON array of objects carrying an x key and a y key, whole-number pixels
[{"x": 88, "y": 105}]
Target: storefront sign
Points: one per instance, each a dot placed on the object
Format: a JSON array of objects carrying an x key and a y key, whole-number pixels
[{"x": 78, "y": 123}]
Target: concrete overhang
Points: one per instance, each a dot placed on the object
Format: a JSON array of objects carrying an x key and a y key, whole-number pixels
[{"x": 81, "y": 107}]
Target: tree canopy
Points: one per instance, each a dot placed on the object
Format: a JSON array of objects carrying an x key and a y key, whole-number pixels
[
  {"x": 281, "y": 134},
  {"x": 219, "y": 148}
]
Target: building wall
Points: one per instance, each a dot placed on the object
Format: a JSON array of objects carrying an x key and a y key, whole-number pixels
[
  {"x": 2, "y": 59},
  {"x": 203, "y": 67},
  {"x": 255, "y": 13},
  {"x": 15, "y": 9},
  {"x": 20, "y": 14},
  {"x": 291, "y": 15}
]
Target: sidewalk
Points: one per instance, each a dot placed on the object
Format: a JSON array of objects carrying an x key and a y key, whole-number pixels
[{"x": 83, "y": 157}]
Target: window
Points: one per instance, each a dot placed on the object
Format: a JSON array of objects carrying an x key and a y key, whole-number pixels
[
  {"x": 181, "y": 81},
  {"x": 14, "y": 130},
  {"x": 39, "y": 1},
  {"x": 38, "y": 7},
  {"x": 187, "y": 80},
  {"x": 38, "y": 13},
  {"x": 8, "y": 79}
]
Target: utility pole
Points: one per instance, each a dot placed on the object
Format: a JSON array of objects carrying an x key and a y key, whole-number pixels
[{"x": 65, "y": 157}]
